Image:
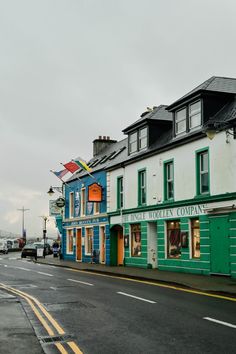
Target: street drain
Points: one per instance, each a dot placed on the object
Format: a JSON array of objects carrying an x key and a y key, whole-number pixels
[{"x": 54, "y": 339}]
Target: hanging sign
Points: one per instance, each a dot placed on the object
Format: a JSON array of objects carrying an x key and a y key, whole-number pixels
[
  {"x": 94, "y": 193},
  {"x": 60, "y": 202}
]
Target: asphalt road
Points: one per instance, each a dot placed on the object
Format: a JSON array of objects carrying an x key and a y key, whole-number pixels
[{"x": 106, "y": 315}]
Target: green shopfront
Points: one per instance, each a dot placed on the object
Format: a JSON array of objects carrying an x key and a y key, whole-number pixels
[{"x": 190, "y": 238}]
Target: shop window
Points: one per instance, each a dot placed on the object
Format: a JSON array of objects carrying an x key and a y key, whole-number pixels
[
  {"x": 72, "y": 205},
  {"x": 69, "y": 243},
  {"x": 195, "y": 233},
  {"x": 89, "y": 241},
  {"x": 173, "y": 239},
  {"x": 135, "y": 240}
]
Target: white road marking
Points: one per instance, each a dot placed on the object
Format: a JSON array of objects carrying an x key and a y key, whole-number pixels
[
  {"x": 5, "y": 266},
  {"x": 21, "y": 268},
  {"x": 220, "y": 322},
  {"x": 136, "y": 297},
  {"x": 12, "y": 258},
  {"x": 81, "y": 282},
  {"x": 52, "y": 287},
  {"x": 50, "y": 275}
]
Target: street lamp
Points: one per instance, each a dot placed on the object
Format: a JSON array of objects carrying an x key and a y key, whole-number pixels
[
  {"x": 51, "y": 190},
  {"x": 213, "y": 127},
  {"x": 45, "y": 219},
  {"x": 23, "y": 223}
]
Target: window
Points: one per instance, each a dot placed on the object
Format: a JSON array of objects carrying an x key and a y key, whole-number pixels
[
  {"x": 203, "y": 185},
  {"x": 69, "y": 243},
  {"x": 136, "y": 240},
  {"x": 195, "y": 233},
  {"x": 83, "y": 202},
  {"x": 195, "y": 115},
  {"x": 72, "y": 205},
  {"x": 89, "y": 241},
  {"x": 120, "y": 201},
  {"x": 142, "y": 138},
  {"x": 169, "y": 180},
  {"x": 96, "y": 207},
  {"x": 173, "y": 239},
  {"x": 142, "y": 187},
  {"x": 180, "y": 121},
  {"x": 133, "y": 142}
]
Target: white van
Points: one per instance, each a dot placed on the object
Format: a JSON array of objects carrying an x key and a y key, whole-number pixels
[{"x": 3, "y": 247}]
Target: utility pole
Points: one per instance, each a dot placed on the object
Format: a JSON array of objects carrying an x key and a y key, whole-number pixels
[
  {"x": 45, "y": 219},
  {"x": 23, "y": 223}
]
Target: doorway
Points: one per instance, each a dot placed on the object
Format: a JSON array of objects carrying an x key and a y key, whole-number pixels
[
  {"x": 219, "y": 230},
  {"x": 102, "y": 244},
  {"x": 152, "y": 244},
  {"x": 117, "y": 245},
  {"x": 78, "y": 245}
]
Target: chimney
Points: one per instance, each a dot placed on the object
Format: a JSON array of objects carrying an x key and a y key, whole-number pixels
[{"x": 101, "y": 143}]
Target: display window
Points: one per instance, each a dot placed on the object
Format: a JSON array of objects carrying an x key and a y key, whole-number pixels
[
  {"x": 136, "y": 240},
  {"x": 69, "y": 247},
  {"x": 195, "y": 233},
  {"x": 173, "y": 239},
  {"x": 89, "y": 241}
]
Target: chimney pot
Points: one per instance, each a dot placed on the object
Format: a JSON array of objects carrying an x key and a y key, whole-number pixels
[
  {"x": 104, "y": 138},
  {"x": 100, "y": 137},
  {"x": 108, "y": 138}
]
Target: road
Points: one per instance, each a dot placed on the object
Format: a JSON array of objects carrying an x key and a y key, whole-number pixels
[{"x": 98, "y": 314}]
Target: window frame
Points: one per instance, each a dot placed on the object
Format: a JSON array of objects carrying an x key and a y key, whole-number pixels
[
  {"x": 166, "y": 180},
  {"x": 135, "y": 142},
  {"x": 120, "y": 192},
  {"x": 69, "y": 250},
  {"x": 193, "y": 248},
  {"x": 192, "y": 115},
  {"x": 88, "y": 252},
  {"x": 167, "y": 238},
  {"x": 181, "y": 120},
  {"x": 142, "y": 189},
  {"x": 144, "y": 138},
  {"x": 136, "y": 246},
  {"x": 71, "y": 205},
  {"x": 199, "y": 173},
  {"x": 96, "y": 208},
  {"x": 83, "y": 202}
]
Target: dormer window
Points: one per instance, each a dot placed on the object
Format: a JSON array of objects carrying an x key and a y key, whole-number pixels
[
  {"x": 142, "y": 138},
  {"x": 133, "y": 142},
  {"x": 188, "y": 118},
  {"x": 138, "y": 140},
  {"x": 180, "y": 121},
  {"x": 195, "y": 115}
]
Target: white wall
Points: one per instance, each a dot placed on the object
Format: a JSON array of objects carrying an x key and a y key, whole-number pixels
[{"x": 222, "y": 172}]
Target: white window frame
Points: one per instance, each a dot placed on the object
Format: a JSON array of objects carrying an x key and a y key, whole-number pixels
[
  {"x": 86, "y": 251},
  {"x": 83, "y": 202},
  {"x": 180, "y": 120},
  {"x": 72, "y": 205},
  {"x": 142, "y": 138},
  {"x": 191, "y": 115},
  {"x": 133, "y": 144},
  {"x": 68, "y": 231},
  {"x": 96, "y": 208}
]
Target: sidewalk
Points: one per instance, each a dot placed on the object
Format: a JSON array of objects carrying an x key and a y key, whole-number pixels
[{"x": 212, "y": 283}]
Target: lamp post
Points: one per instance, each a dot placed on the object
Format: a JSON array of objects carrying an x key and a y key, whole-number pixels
[
  {"x": 45, "y": 219},
  {"x": 51, "y": 190},
  {"x": 23, "y": 223}
]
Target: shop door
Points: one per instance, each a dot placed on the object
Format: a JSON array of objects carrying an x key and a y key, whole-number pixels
[
  {"x": 219, "y": 229},
  {"x": 78, "y": 245},
  {"x": 120, "y": 248},
  {"x": 152, "y": 244},
  {"x": 102, "y": 244}
]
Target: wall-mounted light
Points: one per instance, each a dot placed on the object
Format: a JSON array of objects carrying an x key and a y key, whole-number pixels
[{"x": 51, "y": 190}]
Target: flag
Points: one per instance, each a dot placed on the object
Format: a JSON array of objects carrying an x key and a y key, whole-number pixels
[
  {"x": 71, "y": 166},
  {"x": 60, "y": 174},
  {"x": 82, "y": 164}
]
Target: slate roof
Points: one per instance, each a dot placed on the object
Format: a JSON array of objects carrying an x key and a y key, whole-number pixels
[
  {"x": 213, "y": 84},
  {"x": 158, "y": 113},
  {"x": 226, "y": 115}
]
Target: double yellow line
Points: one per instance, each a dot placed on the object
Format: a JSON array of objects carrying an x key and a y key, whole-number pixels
[{"x": 47, "y": 321}]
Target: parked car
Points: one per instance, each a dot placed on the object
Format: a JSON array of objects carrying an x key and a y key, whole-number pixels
[
  {"x": 3, "y": 247},
  {"x": 31, "y": 250}
]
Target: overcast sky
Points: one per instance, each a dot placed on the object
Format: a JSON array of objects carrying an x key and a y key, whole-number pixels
[{"x": 71, "y": 70}]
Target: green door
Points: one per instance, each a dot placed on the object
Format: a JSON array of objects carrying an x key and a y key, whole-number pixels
[{"x": 219, "y": 229}]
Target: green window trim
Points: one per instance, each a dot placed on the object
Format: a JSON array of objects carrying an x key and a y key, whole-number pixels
[
  {"x": 120, "y": 192},
  {"x": 142, "y": 187},
  {"x": 168, "y": 179},
  {"x": 199, "y": 172}
]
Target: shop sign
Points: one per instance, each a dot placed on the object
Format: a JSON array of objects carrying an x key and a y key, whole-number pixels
[
  {"x": 60, "y": 202},
  {"x": 184, "y": 211},
  {"x": 94, "y": 193},
  {"x": 54, "y": 210}
]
